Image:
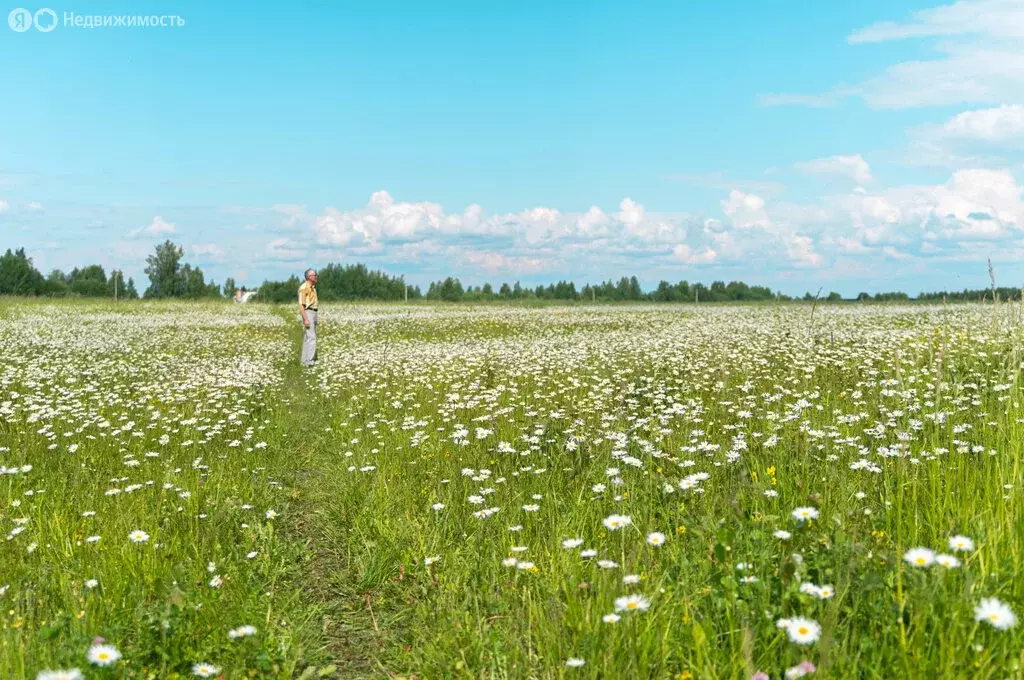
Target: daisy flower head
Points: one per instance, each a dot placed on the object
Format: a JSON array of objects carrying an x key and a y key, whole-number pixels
[
  {"x": 919, "y": 557},
  {"x": 103, "y": 655},
  {"x": 803, "y": 631},
  {"x": 655, "y": 538},
  {"x": 241, "y": 632},
  {"x": 138, "y": 536},
  {"x": 947, "y": 561},
  {"x": 205, "y": 670},
  {"x": 804, "y": 513},
  {"x": 64, "y": 674},
  {"x": 631, "y": 603},
  {"x": 571, "y": 543},
  {"x": 611, "y": 618},
  {"x": 91, "y": 583},
  {"x": 801, "y": 669},
  {"x": 631, "y": 579},
  {"x": 270, "y": 514},
  {"x": 996, "y": 613},
  {"x": 588, "y": 553},
  {"x": 509, "y": 562},
  {"x": 614, "y": 522},
  {"x": 575, "y": 663},
  {"x": 782, "y": 535},
  {"x": 960, "y": 544},
  {"x": 427, "y": 561}
]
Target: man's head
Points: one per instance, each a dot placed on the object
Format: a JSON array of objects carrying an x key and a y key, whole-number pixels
[{"x": 311, "y": 275}]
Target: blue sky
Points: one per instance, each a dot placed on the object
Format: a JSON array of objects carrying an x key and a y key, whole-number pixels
[{"x": 863, "y": 145}]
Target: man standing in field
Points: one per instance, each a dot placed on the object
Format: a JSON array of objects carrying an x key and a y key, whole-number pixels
[{"x": 308, "y": 304}]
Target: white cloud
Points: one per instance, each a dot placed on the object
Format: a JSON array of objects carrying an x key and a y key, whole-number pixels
[
  {"x": 1000, "y": 124},
  {"x": 854, "y": 167},
  {"x": 801, "y": 251},
  {"x": 996, "y": 18},
  {"x": 35, "y": 206},
  {"x": 3, "y": 206},
  {"x": 156, "y": 228},
  {"x": 896, "y": 254},
  {"x": 974, "y": 205},
  {"x": 494, "y": 263},
  {"x": 284, "y": 249},
  {"x": 746, "y": 210},
  {"x": 209, "y": 250},
  {"x": 981, "y": 59},
  {"x": 687, "y": 256}
]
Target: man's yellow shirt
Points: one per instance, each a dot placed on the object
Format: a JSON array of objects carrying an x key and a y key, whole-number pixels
[{"x": 307, "y": 296}]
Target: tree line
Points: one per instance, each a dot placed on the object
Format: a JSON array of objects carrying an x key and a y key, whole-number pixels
[{"x": 169, "y": 277}]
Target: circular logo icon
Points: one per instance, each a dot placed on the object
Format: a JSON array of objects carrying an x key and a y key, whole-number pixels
[
  {"x": 45, "y": 20},
  {"x": 19, "y": 20}
]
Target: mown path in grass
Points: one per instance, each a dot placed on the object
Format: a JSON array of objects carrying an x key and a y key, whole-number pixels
[{"x": 349, "y": 629}]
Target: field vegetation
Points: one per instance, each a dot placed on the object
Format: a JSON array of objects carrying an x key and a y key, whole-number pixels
[{"x": 637, "y": 491}]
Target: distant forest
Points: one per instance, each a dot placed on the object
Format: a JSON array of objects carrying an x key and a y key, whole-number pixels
[{"x": 170, "y": 278}]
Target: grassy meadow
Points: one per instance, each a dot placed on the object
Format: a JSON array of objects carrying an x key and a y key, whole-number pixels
[{"x": 708, "y": 491}]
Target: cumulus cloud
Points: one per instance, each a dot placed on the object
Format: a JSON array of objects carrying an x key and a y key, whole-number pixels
[
  {"x": 999, "y": 124},
  {"x": 854, "y": 167},
  {"x": 801, "y": 251},
  {"x": 157, "y": 227},
  {"x": 386, "y": 223},
  {"x": 684, "y": 253},
  {"x": 3, "y": 206},
  {"x": 746, "y": 210},
  {"x": 973, "y": 206}
]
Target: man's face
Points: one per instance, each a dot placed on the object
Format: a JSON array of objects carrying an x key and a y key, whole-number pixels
[{"x": 312, "y": 277}]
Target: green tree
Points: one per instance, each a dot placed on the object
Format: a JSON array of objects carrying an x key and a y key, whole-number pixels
[
  {"x": 163, "y": 268},
  {"x": 89, "y": 281},
  {"x": 56, "y": 283},
  {"x": 18, "y": 276},
  {"x": 229, "y": 287}
]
